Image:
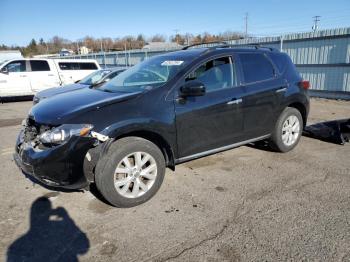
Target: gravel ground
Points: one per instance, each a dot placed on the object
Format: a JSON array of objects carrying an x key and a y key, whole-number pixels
[{"x": 245, "y": 204}]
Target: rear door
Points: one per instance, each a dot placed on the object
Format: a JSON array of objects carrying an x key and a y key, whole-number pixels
[
  {"x": 42, "y": 75},
  {"x": 262, "y": 87},
  {"x": 215, "y": 119},
  {"x": 16, "y": 81}
]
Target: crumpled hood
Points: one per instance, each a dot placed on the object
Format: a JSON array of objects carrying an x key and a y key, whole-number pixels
[
  {"x": 55, "y": 110},
  {"x": 59, "y": 90}
]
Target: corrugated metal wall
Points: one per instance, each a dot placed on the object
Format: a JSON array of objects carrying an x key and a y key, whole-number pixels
[{"x": 323, "y": 57}]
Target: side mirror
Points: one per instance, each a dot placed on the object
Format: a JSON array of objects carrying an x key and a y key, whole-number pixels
[
  {"x": 4, "y": 70},
  {"x": 192, "y": 88}
]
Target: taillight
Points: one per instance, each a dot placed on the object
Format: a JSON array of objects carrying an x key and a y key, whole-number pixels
[{"x": 304, "y": 84}]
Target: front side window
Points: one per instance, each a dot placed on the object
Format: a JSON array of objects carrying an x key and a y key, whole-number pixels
[
  {"x": 16, "y": 66},
  {"x": 39, "y": 65},
  {"x": 256, "y": 67},
  {"x": 215, "y": 74},
  {"x": 152, "y": 73}
]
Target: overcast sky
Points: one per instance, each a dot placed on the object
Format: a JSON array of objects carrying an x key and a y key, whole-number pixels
[{"x": 21, "y": 20}]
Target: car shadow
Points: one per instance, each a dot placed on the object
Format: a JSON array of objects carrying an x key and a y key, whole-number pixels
[
  {"x": 52, "y": 236},
  {"x": 261, "y": 145},
  {"x": 94, "y": 191},
  {"x": 335, "y": 131}
]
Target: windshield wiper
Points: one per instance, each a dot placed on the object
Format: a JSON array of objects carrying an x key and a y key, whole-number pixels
[{"x": 105, "y": 90}]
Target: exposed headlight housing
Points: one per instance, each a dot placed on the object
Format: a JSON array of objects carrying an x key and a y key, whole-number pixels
[
  {"x": 62, "y": 133},
  {"x": 36, "y": 100}
]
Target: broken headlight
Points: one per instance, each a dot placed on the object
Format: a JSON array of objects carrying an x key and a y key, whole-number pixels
[{"x": 64, "y": 132}]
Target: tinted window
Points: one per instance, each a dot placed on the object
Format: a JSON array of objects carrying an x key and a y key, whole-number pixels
[
  {"x": 88, "y": 66},
  {"x": 285, "y": 66},
  {"x": 280, "y": 60},
  {"x": 215, "y": 74},
  {"x": 69, "y": 66},
  {"x": 256, "y": 67},
  {"x": 16, "y": 66},
  {"x": 77, "y": 66},
  {"x": 39, "y": 65}
]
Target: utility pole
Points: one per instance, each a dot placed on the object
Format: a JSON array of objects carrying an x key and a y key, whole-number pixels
[
  {"x": 316, "y": 20},
  {"x": 246, "y": 24}
]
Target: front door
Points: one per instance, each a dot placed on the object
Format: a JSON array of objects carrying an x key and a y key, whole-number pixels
[
  {"x": 15, "y": 82},
  {"x": 213, "y": 120}
]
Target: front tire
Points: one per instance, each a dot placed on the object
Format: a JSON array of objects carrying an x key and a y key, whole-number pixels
[
  {"x": 288, "y": 130},
  {"x": 131, "y": 172}
]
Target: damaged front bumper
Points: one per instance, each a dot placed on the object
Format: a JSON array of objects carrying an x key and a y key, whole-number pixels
[{"x": 58, "y": 166}]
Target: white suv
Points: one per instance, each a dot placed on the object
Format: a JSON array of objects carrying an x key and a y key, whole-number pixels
[{"x": 22, "y": 77}]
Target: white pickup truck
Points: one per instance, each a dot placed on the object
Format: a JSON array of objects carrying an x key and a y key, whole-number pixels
[{"x": 24, "y": 77}]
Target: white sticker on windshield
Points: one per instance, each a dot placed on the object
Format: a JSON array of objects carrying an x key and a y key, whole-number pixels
[{"x": 172, "y": 63}]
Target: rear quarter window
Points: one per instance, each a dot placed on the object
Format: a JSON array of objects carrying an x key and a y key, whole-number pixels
[
  {"x": 280, "y": 60},
  {"x": 77, "y": 66},
  {"x": 88, "y": 66},
  {"x": 256, "y": 67},
  {"x": 285, "y": 66}
]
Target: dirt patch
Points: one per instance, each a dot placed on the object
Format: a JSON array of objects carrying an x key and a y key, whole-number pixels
[
  {"x": 220, "y": 189},
  {"x": 99, "y": 207},
  {"x": 108, "y": 249}
]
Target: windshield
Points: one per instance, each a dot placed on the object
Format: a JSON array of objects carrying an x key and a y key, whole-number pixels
[
  {"x": 94, "y": 77},
  {"x": 152, "y": 73}
]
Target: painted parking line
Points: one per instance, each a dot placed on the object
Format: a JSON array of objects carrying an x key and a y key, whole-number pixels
[{"x": 7, "y": 151}]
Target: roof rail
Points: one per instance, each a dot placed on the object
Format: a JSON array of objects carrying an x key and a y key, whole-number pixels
[
  {"x": 256, "y": 46},
  {"x": 207, "y": 43},
  {"x": 223, "y": 44}
]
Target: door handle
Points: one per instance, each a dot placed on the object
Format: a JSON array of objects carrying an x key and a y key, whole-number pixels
[
  {"x": 235, "y": 101},
  {"x": 283, "y": 89}
]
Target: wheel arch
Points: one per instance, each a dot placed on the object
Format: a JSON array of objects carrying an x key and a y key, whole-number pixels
[
  {"x": 302, "y": 109},
  {"x": 158, "y": 140}
]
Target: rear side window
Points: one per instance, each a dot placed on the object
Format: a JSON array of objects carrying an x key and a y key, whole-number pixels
[
  {"x": 256, "y": 67},
  {"x": 39, "y": 65},
  {"x": 77, "y": 66}
]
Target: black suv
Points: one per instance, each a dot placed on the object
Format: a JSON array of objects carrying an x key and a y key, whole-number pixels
[{"x": 164, "y": 111}]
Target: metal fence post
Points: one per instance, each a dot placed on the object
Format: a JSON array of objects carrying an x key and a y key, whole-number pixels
[{"x": 281, "y": 44}]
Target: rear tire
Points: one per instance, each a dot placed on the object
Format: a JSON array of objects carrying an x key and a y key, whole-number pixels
[
  {"x": 131, "y": 172},
  {"x": 288, "y": 130}
]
